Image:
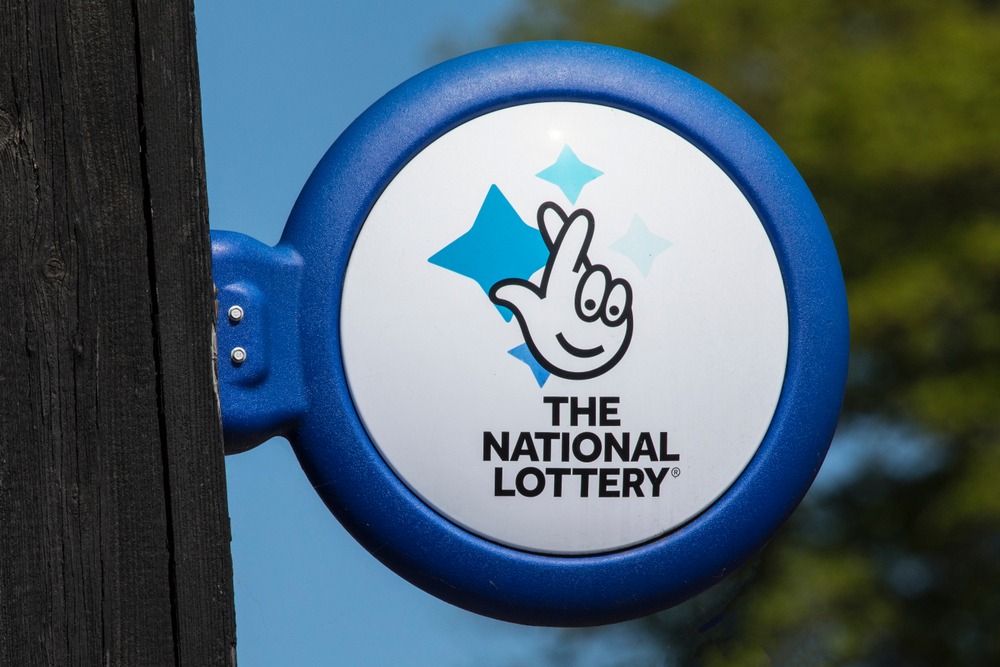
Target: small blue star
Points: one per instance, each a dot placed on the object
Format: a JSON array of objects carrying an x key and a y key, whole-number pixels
[
  {"x": 640, "y": 245},
  {"x": 522, "y": 353},
  {"x": 499, "y": 246},
  {"x": 569, "y": 174}
]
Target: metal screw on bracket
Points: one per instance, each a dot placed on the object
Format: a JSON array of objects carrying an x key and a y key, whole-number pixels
[
  {"x": 238, "y": 355},
  {"x": 235, "y": 314}
]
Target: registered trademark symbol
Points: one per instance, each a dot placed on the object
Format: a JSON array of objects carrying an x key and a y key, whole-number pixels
[{"x": 676, "y": 472}]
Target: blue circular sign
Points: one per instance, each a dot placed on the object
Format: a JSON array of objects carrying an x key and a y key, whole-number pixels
[{"x": 556, "y": 331}]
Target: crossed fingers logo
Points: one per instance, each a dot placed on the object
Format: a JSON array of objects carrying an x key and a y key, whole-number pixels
[{"x": 578, "y": 321}]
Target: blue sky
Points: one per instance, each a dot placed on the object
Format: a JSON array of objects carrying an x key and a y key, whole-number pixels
[{"x": 280, "y": 81}]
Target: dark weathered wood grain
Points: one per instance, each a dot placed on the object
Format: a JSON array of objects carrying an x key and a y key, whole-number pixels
[
  {"x": 204, "y": 614},
  {"x": 114, "y": 533}
]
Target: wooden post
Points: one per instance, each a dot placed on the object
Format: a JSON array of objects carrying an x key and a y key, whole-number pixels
[{"x": 114, "y": 530}]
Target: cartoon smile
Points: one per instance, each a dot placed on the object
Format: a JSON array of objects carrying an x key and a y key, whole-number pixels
[{"x": 577, "y": 352}]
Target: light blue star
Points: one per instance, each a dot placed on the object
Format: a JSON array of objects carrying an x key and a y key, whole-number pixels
[
  {"x": 522, "y": 353},
  {"x": 498, "y": 246},
  {"x": 640, "y": 245},
  {"x": 569, "y": 174}
]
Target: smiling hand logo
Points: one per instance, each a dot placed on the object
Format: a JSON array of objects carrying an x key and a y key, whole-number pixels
[{"x": 578, "y": 322}]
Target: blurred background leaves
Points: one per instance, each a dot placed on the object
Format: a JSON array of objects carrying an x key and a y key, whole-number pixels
[{"x": 890, "y": 109}]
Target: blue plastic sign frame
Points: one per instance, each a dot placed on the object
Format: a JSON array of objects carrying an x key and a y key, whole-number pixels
[{"x": 293, "y": 382}]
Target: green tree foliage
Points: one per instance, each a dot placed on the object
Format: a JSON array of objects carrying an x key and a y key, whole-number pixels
[{"x": 890, "y": 109}]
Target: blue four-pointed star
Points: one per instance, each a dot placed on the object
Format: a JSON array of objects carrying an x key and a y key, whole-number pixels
[
  {"x": 569, "y": 174},
  {"x": 499, "y": 246},
  {"x": 522, "y": 353},
  {"x": 641, "y": 245}
]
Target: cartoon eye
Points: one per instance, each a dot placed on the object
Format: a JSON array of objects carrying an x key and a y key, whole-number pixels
[
  {"x": 619, "y": 303},
  {"x": 590, "y": 293}
]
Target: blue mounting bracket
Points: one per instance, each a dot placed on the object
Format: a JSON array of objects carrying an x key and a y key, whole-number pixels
[{"x": 261, "y": 392}]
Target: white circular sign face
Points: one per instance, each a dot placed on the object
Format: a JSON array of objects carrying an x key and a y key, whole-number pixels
[{"x": 564, "y": 328}]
